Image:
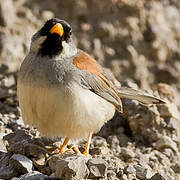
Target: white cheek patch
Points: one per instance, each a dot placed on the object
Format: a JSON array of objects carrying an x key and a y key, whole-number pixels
[
  {"x": 35, "y": 45},
  {"x": 68, "y": 50}
]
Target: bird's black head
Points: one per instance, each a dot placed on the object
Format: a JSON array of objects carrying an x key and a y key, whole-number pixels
[{"x": 53, "y": 33}]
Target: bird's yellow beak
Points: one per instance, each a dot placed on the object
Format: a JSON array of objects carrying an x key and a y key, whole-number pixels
[{"x": 58, "y": 29}]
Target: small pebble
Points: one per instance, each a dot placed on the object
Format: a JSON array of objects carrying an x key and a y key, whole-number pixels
[{"x": 97, "y": 168}]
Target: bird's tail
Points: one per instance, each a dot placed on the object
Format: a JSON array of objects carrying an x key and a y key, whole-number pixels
[{"x": 138, "y": 95}]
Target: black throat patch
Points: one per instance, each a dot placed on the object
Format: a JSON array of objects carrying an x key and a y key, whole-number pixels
[{"x": 52, "y": 46}]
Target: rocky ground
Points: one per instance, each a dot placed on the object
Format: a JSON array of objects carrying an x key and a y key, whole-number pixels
[{"x": 139, "y": 41}]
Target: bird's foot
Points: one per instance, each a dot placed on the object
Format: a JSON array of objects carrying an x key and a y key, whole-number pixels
[
  {"x": 73, "y": 149},
  {"x": 65, "y": 150},
  {"x": 85, "y": 153}
]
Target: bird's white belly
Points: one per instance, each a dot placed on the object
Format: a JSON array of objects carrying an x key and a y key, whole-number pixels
[{"x": 56, "y": 112}]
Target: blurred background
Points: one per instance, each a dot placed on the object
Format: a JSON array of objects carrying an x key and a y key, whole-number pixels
[{"x": 137, "y": 40}]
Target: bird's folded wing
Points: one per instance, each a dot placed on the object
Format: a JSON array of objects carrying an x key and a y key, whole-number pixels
[
  {"x": 138, "y": 95},
  {"x": 99, "y": 87},
  {"x": 91, "y": 77}
]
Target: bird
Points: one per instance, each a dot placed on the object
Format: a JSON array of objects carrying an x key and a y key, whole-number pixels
[{"x": 63, "y": 91}]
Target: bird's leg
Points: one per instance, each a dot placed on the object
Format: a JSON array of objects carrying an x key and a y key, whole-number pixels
[
  {"x": 75, "y": 149},
  {"x": 63, "y": 147},
  {"x": 86, "y": 151}
]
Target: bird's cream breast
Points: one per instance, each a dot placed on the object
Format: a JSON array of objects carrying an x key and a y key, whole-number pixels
[{"x": 71, "y": 112}]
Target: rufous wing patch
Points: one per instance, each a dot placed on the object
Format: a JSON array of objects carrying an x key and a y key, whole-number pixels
[{"x": 84, "y": 61}]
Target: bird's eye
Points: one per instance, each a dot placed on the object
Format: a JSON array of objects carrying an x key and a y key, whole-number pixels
[{"x": 70, "y": 32}]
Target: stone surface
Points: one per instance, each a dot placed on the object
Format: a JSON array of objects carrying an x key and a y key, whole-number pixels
[
  {"x": 166, "y": 142},
  {"x": 7, "y": 19},
  {"x": 143, "y": 172},
  {"x": 130, "y": 169},
  {"x": 97, "y": 168},
  {"x": 2, "y": 143},
  {"x": 35, "y": 150},
  {"x": 4, "y": 160},
  {"x": 157, "y": 176},
  {"x": 18, "y": 136},
  {"x": 34, "y": 175},
  {"x": 99, "y": 141},
  {"x": 21, "y": 163},
  {"x": 127, "y": 153},
  {"x": 73, "y": 166},
  {"x": 113, "y": 141},
  {"x": 176, "y": 167},
  {"x": 7, "y": 172},
  {"x": 103, "y": 150},
  {"x": 111, "y": 175}
]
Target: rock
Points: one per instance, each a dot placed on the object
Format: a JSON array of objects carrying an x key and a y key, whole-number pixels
[
  {"x": 157, "y": 176},
  {"x": 169, "y": 110},
  {"x": 130, "y": 169},
  {"x": 99, "y": 141},
  {"x": 26, "y": 146},
  {"x": 166, "y": 90},
  {"x": 97, "y": 168},
  {"x": 9, "y": 81},
  {"x": 35, "y": 150},
  {"x": 70, "y": 166},
  {"x": 141, "y": 120},
  {"x": 143, "y": 172},
  {"x": 2, "y": 154},
  {"x": 52, "y": 160},
  {"x": 39, "y": 162},
  {"x": 111, "y": 175},
  {"x": 15, "y": 178},
  {"x": 103, "y": 150},
  {"x": 123, "y": 139},
  {"x": 113, "y": 141},
  {"x": 174, "y": 124},
  {"x": 127, "y": 153},
  {"x": 98, "y": 48},
  {"x": 124, "y": 177},
  {"x": 166, "y": 142},
  {"x": 2, "y": 143},
  {"x": 4, "y": 93},
  {"x": 21, "y": 163},
  {"x": 46, "y": 15},
  {"x": 20, "y": 122},
  {"x": 17, "y": 136},
  {"x": 17, "y": 148},
  {"x": 169, "y": 153},
  {"x": 34, "y": 175},
  {"x": 12, "y": 45},
  {"x": 41, "y": 165},
  {"x": 6, "y": 19},
  {"x": 167, "y": 71},
  {"x": 120, "y": 173},
  {"x": 176, "y": 167},
  {"x": 4, "y": 161},
  {"x": 7, "y": 172}
]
